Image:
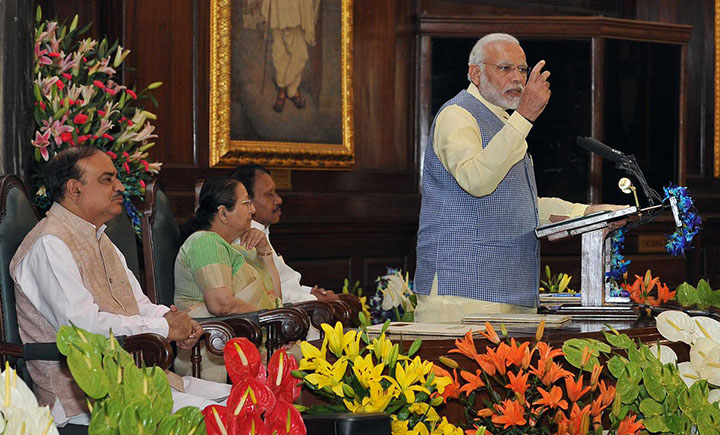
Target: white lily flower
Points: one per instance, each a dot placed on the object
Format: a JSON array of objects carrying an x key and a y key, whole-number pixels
[
  {"x": 664, "y": 353},
  {"x": 688, "y": 373},
  {"x": 675, "y": 326},
  {"x": 710, "y": 367},
  {"x": 700, "y": 350},
  {"x": 707, "y": 328},
  {"x": 393, "y": 293}
]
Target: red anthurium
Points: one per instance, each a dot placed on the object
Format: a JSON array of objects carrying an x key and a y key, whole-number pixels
[
  {"x": 249, "y": 397},
  {"x": 250, "y": 424},
  {"x": 285, "y": 419},
  {"x": 215, "y": 420},
  {"x": 280, "y": 378},
  {"x": 242, "y": 359}
]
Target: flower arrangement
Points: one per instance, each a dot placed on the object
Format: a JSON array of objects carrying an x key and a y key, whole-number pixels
[
  {"x": 668, "y": 397},
  {"x": 121, "y": 394},
  {"x": 679, "y": 240},
  {"x": 556, "y": 283},
  {"x": 19, "y": 410},
  {"x": 394, "y": 299},
  {"x": 641, "y": 291},
  {"x": 519, "y": 388},
  {"x": 375, "y": 377},
  {"x": 260, "y": 401},
  {"x": 79, "y": 102}
]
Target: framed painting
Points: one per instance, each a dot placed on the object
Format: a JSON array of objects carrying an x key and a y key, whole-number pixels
[{"x": 281, "y": 83}]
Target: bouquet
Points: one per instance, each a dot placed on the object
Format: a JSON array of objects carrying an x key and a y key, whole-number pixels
[
  {"x": 641, "y": 291},
  {"x": 364, "y": 375},
  {"x": 519, "y": 388},
  {"x": 78, "y": 101},
  {"x": 394, "y": 299}
]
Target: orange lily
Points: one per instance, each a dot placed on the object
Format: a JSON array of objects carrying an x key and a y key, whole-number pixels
[
  {"x": 554, "y": 373},
  {"x": 511, "y": 414},
  {"x": 607, "y": 393},
  {"x": 466, "y": 346},
  {"x": 496, "y": 357},
  {"x": 485, "y": 364},
  {"x": 490, "y": 333},
  {"x": 516, "y": 354},
  {"x": 580, "y": 419},
  {"x": 597, "y": 369},
  {"x": 629, "y": 426},
  {"x": 452, "y": 390},
  {"x": 574, "y": 389},
  {"x": 664, "y": 293},
  {"x": 518, "y": 383},
  {"x": 473, "y": 381},
  {"x": 553, "y": 399},
  {"x": 485, "y": 413}
]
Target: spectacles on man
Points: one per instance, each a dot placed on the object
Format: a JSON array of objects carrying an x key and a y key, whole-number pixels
[
  {"x": 246, "y": 202},
  {"x": 507, "y": 68}
]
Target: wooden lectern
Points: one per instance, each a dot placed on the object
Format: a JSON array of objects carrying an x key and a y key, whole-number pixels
[{"x": 596, "y": 252}]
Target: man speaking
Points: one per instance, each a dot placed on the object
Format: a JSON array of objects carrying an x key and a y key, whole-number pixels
[{"x": 477, "y": 251}]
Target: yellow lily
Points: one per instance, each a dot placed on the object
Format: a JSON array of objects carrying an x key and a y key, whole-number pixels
[
  {"x": 378, "y": 400},
  {"x": 365, "y": 308},
  {"x": 406, "y": 379},
  {"x": 440, "y": 382},
  {"x": 367, "y": 372},
  {"x": 311, "y": 355},
  {"x": 398, "y": 427},
  {"x": 329, "y": 376},
  {"x": 564, "y": 281},
  {"x": 381, "y": 347},
  {"x": 446, "y": 428},
  {"x": 337, "y": 340},
  {"x": 426, "y": 410},
  {"x": 352, "y": 348}
]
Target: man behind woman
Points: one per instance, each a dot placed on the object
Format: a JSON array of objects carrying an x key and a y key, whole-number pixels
[{"x": 212, "y": 277}]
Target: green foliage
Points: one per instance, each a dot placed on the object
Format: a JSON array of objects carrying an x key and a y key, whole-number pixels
[
  {"x": 702, "y": 296},
  {"x": 559, "y": 283},
  {"x": 124, "y": 399},
  {"x": 654, "y": 391}
]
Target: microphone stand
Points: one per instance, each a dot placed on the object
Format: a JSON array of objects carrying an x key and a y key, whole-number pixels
[{"x": 630, "y": 166}]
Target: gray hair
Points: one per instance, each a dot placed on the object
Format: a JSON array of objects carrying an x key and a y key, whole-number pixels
[{"x": 477, "y": 54}]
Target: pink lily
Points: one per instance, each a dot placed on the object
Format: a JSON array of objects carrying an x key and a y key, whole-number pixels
[
  {"x": 40, "y": 56},
  {"x": 42, "y": 141},
  {"x": 57, "y": 128}
]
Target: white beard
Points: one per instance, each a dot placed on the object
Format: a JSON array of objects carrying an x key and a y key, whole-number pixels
[{"x": 498, "y": 96}]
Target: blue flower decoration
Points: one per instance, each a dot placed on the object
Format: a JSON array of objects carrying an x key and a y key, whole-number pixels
[
  {"x": 618, "y": 263},
  {"x": 680, "y": 240}
]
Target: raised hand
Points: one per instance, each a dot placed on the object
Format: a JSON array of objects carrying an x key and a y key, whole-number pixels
[
  {"x": 254, "y": 238},
  {"x": 536, "y": 93}
]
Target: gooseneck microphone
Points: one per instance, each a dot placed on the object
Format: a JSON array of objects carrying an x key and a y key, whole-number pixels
[{"x": 599, "y": 148}]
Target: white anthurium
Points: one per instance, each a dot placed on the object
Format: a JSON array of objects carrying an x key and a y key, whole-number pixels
[
  {"x": 700, "y": 350},
  {"x": 20, "y": 410},
  {"x": 714, "y": 395},
  {"x": 710, "y": 367},
  {"x": 675, "y": 326},
  {"x": 664, "y": 353},
  {"x": 688, "y": 373},
  {"x": 707, "y": 328},
  {"x": 393, "y": 293}
]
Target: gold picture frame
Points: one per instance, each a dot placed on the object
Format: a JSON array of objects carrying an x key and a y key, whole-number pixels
[{"x": 229, "y": 147}]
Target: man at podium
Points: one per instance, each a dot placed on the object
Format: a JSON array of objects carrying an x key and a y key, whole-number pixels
[{"x": 477, "y": 251}]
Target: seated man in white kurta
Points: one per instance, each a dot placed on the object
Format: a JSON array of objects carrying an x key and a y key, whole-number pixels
[{"x": 67, "y": 270}]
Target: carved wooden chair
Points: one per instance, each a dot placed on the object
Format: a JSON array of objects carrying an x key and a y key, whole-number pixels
[{"x": 161, "y": 243}]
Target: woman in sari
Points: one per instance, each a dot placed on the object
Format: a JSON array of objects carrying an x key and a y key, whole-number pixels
[{"x": 213, "y": 278}]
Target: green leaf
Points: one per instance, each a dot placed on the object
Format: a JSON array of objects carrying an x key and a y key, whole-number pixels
[
  {"x": 622, "y": 341},
  {"x": 652, "y": 381},
  {"x": 677, "y": 423},
  {"x": 650, "y": 407},
  {"x": 87, "y": 372},
  {"x": 105, "y": 417},
  {"x": 616, "y": 365},
  {"x": 686, "y": 295},
  {"x": 137, "y": 418},
  {"x": 655, "y": 424},
  {"x": 627, "y": 390},
  {"x": 573, "y": 350},
  {"x": 704, "y": 295}
]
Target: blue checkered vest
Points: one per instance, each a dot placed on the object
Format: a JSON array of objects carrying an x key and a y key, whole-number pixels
[{"x": 480, "y": 248}]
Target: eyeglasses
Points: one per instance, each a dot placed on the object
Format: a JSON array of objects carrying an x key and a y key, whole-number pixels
[
  {"x": 246, "y": 202},
  {"x": 507, "y": 68}
]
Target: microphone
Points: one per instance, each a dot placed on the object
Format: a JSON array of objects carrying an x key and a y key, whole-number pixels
[{"x": 599, "y": 148}]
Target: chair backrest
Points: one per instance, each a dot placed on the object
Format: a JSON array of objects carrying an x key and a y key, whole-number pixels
[
  {"x": 121, "y": 233},
  {"x": 17, "y": 218},
  {"x": 161, "y": 243}
]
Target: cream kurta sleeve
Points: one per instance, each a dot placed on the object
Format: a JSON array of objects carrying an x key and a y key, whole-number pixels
[{"x": 458, "y": 145}]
